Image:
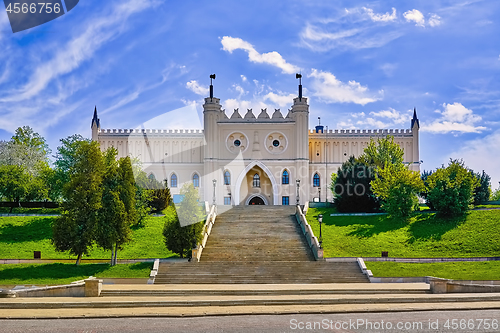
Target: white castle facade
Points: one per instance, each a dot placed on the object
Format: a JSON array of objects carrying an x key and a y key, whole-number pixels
[{"x": 240, "y": 160}]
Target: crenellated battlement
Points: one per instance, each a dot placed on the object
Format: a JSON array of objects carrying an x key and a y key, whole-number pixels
[
  {"x": 358, "y": 132},
  {"x": 110, "y": 131}
]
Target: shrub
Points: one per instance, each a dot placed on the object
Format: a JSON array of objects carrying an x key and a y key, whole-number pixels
[
  {"x": 352, "y": 190},
  {"x": 398, "y": 187},
  {"x": 451, "y": 189}
]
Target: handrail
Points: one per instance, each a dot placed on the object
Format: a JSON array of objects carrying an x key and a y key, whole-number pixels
[
  {"x": 207, "y": 229},
  {"x": 312, "y": 240}
]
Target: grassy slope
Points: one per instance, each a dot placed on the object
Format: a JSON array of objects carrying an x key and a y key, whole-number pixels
[
  {"x": 53, "y": 274},
  {"x": 425, "y": 235},
  {"x": 487, "y": 270},
  {"x": 20, "y": 236}
]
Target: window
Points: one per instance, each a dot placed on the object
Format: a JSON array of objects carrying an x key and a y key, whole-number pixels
[
  {"x": 276, "y": 143},
  {"x": 173, "y": 180},
  {"x": 316, "y": 180},
  {"x": 227, "y": 201},
  {"x": 227, "y": 178},
  {"x": 151, "y": 176},
  {"x": 285, "y": 180},
  {"x": 285, "y": 201},
  {"x": 256, "y": 180},
  {"x": 196, "y": 180}
]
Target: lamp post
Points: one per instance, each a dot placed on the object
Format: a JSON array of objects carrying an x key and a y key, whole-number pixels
[
  {"x": 298, "y": 191},
  {"x": 215, "y": 184},
  {"x": 319, "y": 194},
  {"x": 320, "y": 220}
]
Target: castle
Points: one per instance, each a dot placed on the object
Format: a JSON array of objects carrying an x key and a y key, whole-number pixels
[{"x": 245, "y": 160}]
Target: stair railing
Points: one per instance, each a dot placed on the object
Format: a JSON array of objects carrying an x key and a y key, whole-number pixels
[
  {"x": 312, "y": 240},
  {"x": 207, "y": 229}
]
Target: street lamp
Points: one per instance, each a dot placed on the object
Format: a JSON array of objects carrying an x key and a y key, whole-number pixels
[
  {"x": 298, "y": 191},
  {"x": 319, "y": 194},
  {"x": 215, "y": 184},
  {"x": 320, "y": 220}
]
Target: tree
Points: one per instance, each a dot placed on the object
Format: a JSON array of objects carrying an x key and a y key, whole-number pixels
[
  {"x": 352, "y": 189},
  {"x": 398, "y": 187},
  {"x": 451, "y": 189},
  {"x": 183, "y": 231},
  {"x": 482, "y": 191},
  {"x": 384, "y": 152},
  {"x": 424, "y": 194},
  {"x": 394, "y": 183},
  {"x": 75, "y": 230},
  {"x": 17, "y": 185},
  {"x": 495, "y": 196},
  {"x": 65, "y": 159}
]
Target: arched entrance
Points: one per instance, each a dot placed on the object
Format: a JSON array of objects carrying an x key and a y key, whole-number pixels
[
  {"x": 245, "y": 189},
  {"x": 256, "y": 201}
]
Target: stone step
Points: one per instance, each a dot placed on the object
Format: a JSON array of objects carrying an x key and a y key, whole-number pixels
[
  {"x": 260, "y": 272},
  {"x": 269, "y": 290},
  {"x": 260, "y": 300}
]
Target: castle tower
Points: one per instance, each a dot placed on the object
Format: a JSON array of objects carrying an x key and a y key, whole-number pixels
[
  {"x": 300, "y": 114},
  {"x": 415, "y": 127},
  {"x": 96, "y": 126},
  {"x": 212, "y": 113}
]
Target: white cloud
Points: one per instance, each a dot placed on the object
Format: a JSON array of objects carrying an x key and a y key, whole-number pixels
[
  {"x": 390, "y": 118},
  {"x": 243, "y": 78},
  {"x": 455, "y": 118},
  {"x": 281, "y": 100},
  {"x": 195, "y": 87},
  {"x": 396, "y": 117},
  {"x": 481, "y": 154},
  {"x": 71, "y": 55},
  {"x": 325, "y": 38},
  {"x": 416, "y": 16},
  {"x": 272, "y": 58},
  {"x": 381, "y": 17},
  {"x": 389, "y": 68},
  {"x": 434, "y": 20},
  {"x": 239, "y": 89},
  {"x": 329, "y": 89}
]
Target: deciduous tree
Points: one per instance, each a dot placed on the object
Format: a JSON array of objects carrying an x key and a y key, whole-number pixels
[
  {"x": 75, "y": 230},
  {"x": 183, "y": 231}
]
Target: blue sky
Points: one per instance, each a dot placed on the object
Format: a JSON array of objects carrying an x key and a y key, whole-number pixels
[{"x": 365, "y": 65}]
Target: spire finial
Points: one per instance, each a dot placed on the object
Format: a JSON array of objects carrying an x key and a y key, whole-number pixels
[
  {"x": 95, "y": 119},
  {"x": 415, "y": 119},
  {"x": 212, "y": 77},
  {"x": 299, "y": 76}
]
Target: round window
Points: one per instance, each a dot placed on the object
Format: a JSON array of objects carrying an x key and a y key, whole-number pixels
[
  {"x": 276, "y": 143},
  {"x": 237, "y": 143}
]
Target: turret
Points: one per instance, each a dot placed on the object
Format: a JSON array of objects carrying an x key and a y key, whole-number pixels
[
  {"x": 415, "y": 121},
  {"x": 212, "y": 113},
  {"x": 95, "y": 126}
]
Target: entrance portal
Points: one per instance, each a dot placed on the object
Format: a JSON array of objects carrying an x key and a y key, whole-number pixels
[{"x": 256, "y": 201}]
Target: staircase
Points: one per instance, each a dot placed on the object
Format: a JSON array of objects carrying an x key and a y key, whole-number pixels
[{"x": 258, "y": 245}]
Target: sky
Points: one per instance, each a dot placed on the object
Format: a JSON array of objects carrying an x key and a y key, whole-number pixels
[{"x": 365, "y": 65}]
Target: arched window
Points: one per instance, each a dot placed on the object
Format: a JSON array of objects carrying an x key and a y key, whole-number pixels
[
  {"x": 256, "y": 180},
  {"x": 151, "y": 176},
  {"x": 196, "y": 180},
  {"x": 173, "y": 180},
  {"x": 316, "y": 180},
  {"x": 285, "y": 180},
  {"x": 227, "y": 178}
]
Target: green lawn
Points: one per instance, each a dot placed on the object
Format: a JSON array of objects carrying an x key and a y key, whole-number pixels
[
  {"x": 485, "y": 270},
  {"x": 425, "y": 235},
  {"x": 20, "y": 236},
  {"x": 54, "y": 274}
]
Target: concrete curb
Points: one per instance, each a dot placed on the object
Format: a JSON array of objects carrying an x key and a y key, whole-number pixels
[{"x": 241, "y": 310}]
